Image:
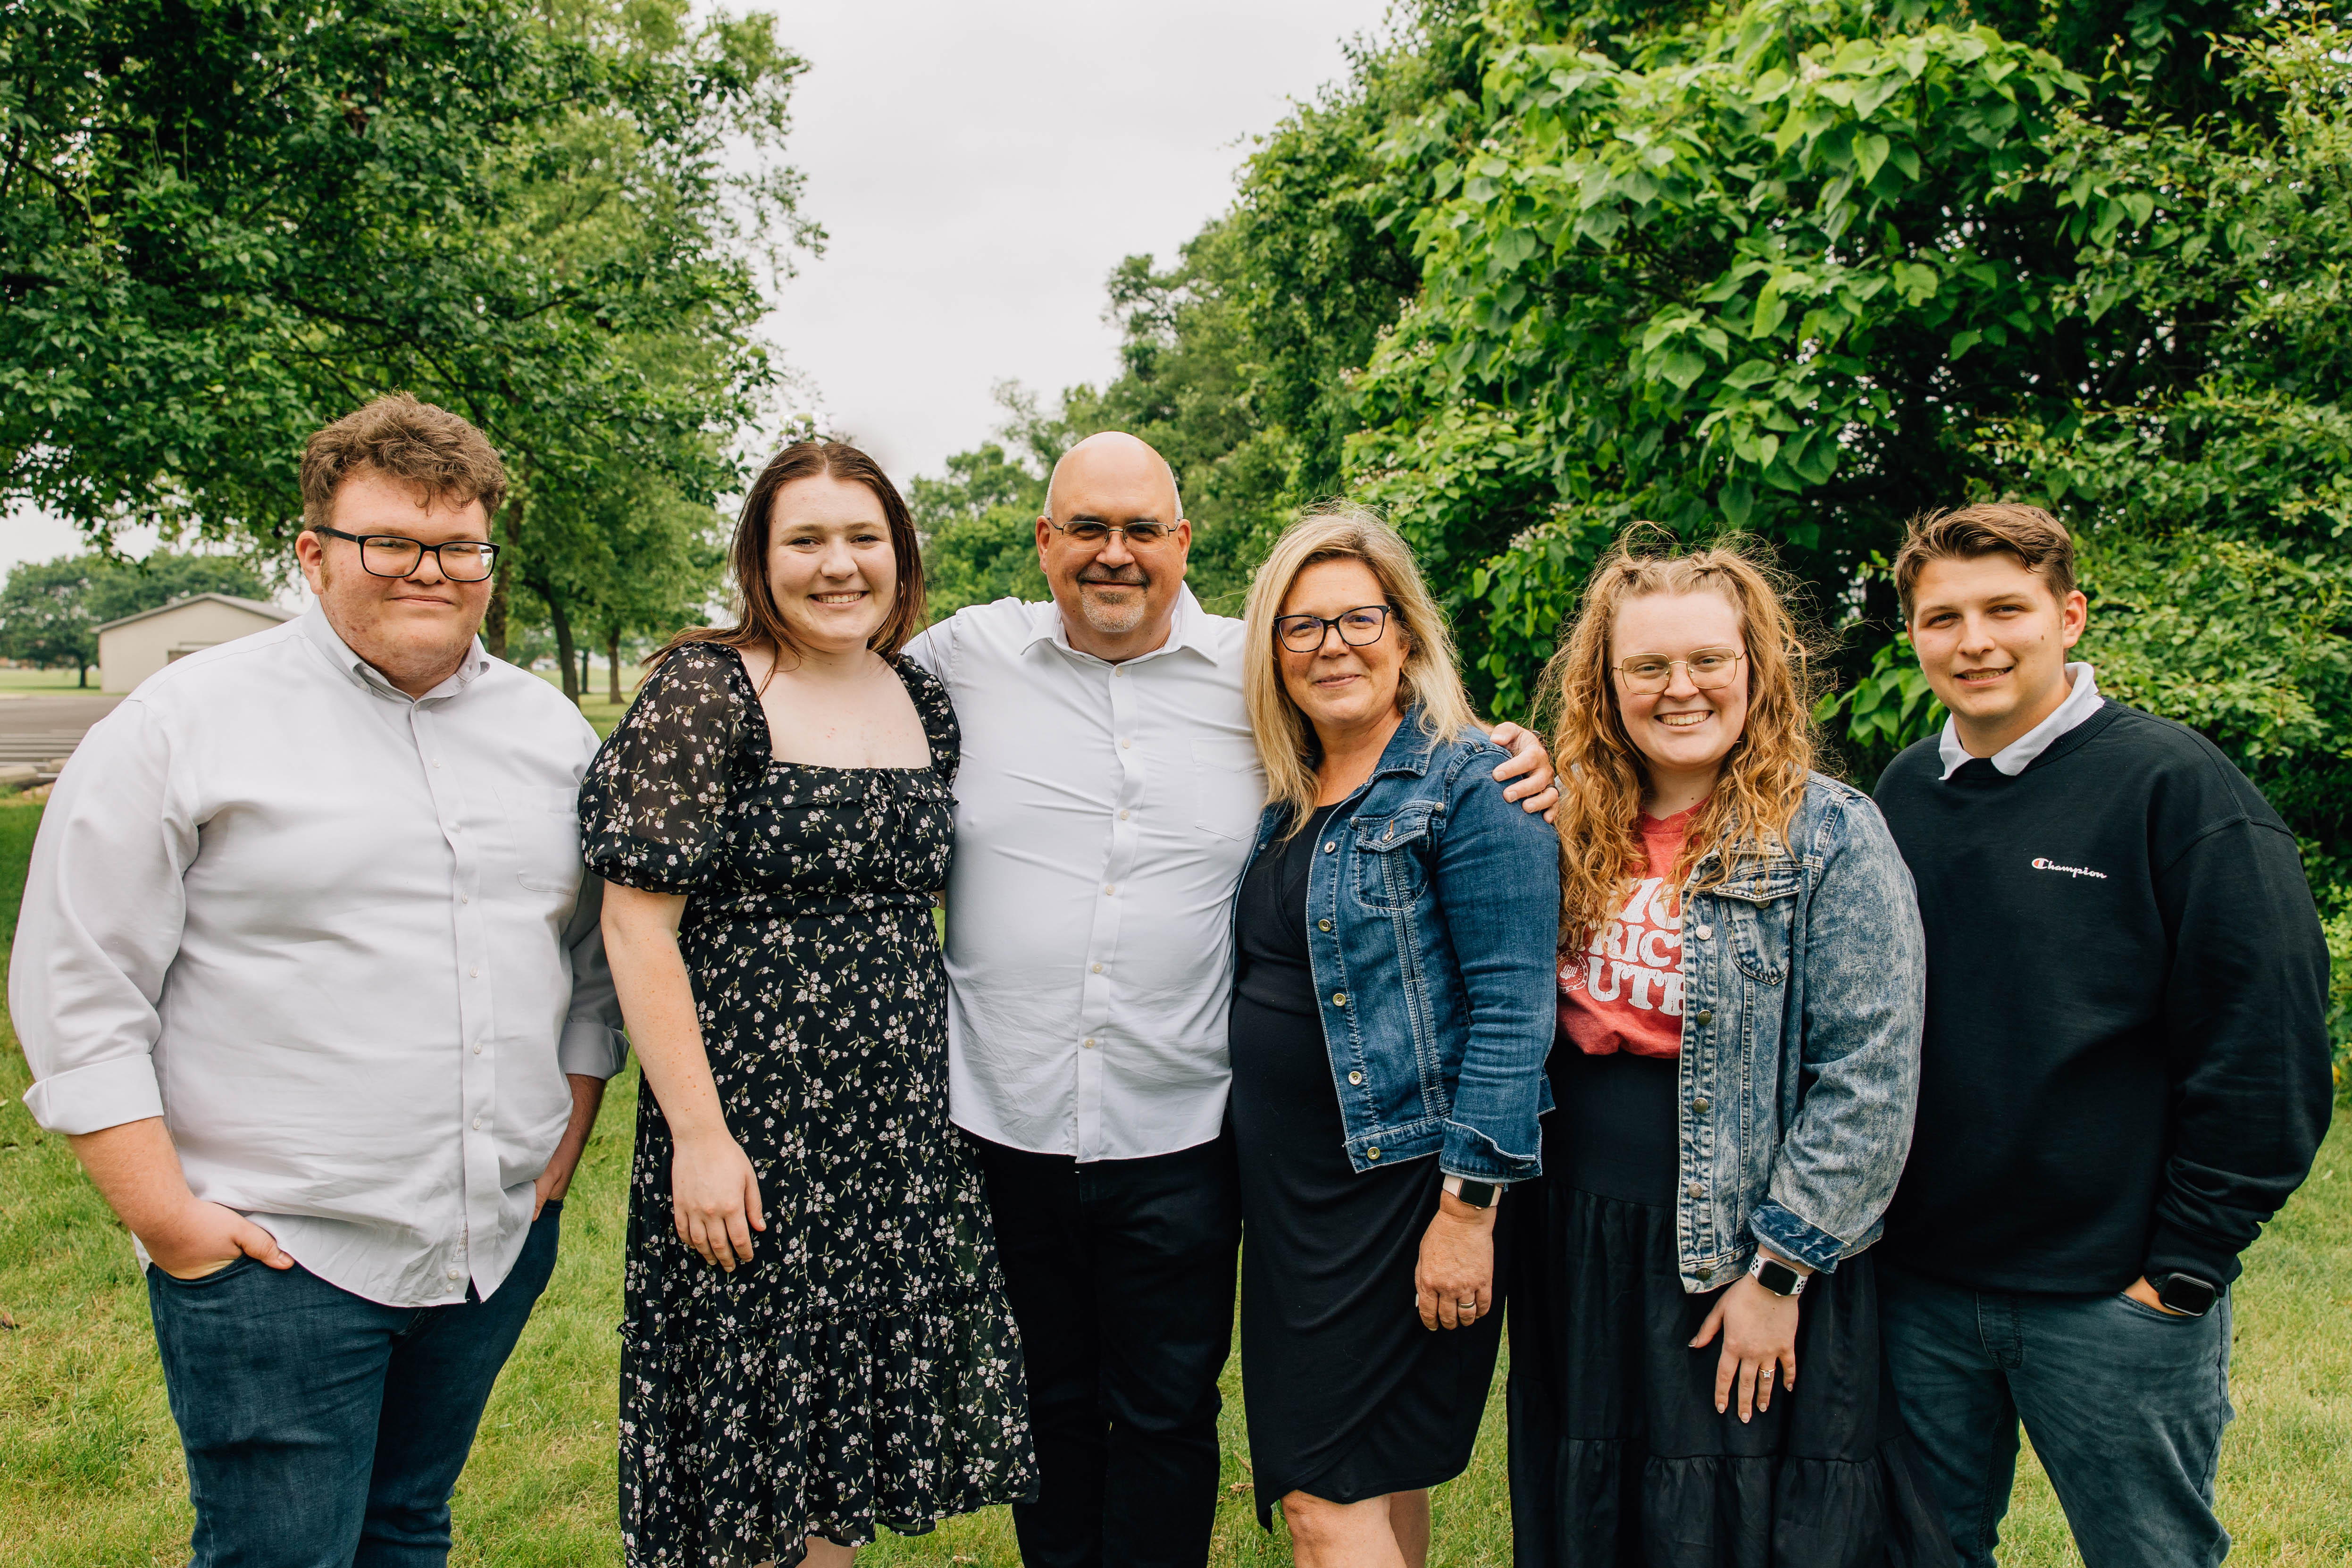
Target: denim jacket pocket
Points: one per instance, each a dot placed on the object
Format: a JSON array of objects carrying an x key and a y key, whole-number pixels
[
  {"x": 1759, "y": 904},
  {"x": 1391, "y": 856}
]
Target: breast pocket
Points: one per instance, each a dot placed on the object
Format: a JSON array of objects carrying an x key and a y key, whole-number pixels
[
  {"x": 543, "y": 825},
  {"x": 1228, "y": 786},
  {"x": 1760, "y": 905},
  {"x": 1391, "y": 856}
]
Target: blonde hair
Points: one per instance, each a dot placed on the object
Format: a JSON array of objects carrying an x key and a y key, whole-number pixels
[
  {"x": 1601, "y": 774},
  {"x": 1285, "y": 739}
]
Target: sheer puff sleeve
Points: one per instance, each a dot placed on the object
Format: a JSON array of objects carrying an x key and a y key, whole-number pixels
[{"x": 653, "y": 805}]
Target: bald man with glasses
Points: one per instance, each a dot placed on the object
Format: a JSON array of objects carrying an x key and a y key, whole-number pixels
[{"x": 1104, "y": 805}]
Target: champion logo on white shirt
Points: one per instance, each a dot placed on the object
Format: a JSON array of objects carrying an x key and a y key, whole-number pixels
[{"x": 2041, "y": 865}]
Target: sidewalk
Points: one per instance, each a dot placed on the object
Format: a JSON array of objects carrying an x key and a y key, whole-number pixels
[{"x": 37, "y": 727}]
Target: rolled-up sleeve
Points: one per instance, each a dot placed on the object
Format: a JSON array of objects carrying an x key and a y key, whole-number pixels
[
  {"x": 593, "y": 1044},
  {"x": 104, "y": 906}
]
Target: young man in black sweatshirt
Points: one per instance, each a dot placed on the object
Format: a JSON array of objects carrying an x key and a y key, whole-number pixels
[{"x": 2124, "y": 1069}]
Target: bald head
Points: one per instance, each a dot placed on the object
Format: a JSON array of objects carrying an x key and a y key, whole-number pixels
[
  {"x": 1115, "y": 462},
  {"x": 1117, "y": 589}
]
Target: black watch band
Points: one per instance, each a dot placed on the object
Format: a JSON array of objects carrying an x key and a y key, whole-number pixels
[
  {"x": 1477, "y": 1194},
  {"x": 2187, "y": 1293}
]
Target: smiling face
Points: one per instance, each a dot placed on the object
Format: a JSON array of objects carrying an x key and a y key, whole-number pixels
[
  {"x": 1116, "y": 597},
  {"x": 414, "y": 630},
  {"x": 1992, "y": 640},
  {"x": 1684, "y": 732},
  {"x": 831, "y": 569},
  {"x": 1338, "y": 687}
]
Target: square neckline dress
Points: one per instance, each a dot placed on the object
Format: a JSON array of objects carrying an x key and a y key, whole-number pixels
[{"x": 864, "y": 1367}]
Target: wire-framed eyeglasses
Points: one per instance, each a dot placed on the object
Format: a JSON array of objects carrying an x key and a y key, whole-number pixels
[
  {"x": 1143, "y": 535},
  {"x": 1710, "y": 670},
  {"x": 1359, "y": 627},
  {"x": 396, "y": 555}
]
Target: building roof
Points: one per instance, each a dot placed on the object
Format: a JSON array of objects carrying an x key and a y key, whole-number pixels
[{"x": 274, "y": 612}]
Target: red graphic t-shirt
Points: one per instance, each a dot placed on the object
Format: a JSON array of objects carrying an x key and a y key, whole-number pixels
[{"x": 1623, "y": 991}]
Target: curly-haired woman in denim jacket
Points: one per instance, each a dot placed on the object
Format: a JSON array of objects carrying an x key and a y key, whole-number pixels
[
  {"x": 1392, "y": 1010},
  {"x": 1740, "y": 991}
]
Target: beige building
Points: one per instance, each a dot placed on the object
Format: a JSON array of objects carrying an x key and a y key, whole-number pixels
[{"x": 136, "y": 646}]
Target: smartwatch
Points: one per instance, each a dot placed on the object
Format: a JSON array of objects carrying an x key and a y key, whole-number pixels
[
  {"x": 1775, "y": 1275},
  {"x": 1477, "y": 1194},
  {"x": 2187, "y": 1293}
]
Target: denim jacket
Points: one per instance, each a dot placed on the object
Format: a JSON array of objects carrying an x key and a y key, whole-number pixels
[
  {"x": 1433, "y": 909},
  {"x": 1804, "y": 991}
]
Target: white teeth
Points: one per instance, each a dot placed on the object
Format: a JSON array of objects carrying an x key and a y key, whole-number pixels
[{"x": 1680, "y": 721}]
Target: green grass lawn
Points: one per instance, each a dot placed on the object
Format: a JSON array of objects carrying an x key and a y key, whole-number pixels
[
  {"x": 44, "y": 680},
  {"x": 89, "y": 1464}
]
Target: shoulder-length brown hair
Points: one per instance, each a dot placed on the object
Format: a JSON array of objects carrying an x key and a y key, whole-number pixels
[
  {"x": 1603, "y": 776},
  {"x": 1430, "y": 679},
  {"x": 758, "y": 621}
]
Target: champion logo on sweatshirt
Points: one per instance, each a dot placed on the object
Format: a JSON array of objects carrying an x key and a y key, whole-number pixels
[{"x": 2041, "y": 865}]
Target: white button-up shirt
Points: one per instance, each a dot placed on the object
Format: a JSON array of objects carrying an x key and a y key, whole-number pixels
[
  {"x": 339, "y": 940},
  {"x": 2083, "y": 700},
  {"x": 1103, "y": 815}
]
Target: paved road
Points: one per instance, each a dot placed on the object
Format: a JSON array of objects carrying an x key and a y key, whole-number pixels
[{"x": 36, "y": 728}]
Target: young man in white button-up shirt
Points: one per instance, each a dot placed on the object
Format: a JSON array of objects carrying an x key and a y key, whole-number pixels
[
  {"x": 1104, "y": 805},
  {"x": 310, "y": 974}
]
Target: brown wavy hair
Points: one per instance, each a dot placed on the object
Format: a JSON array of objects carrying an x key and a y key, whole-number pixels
[
  {"x": 758, "y": 621},
  {"x": 1603, "y": 776}
]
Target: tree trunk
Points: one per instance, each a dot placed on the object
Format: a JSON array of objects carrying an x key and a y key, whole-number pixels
[
  {"x": 566, "y": 658},
  {"x": 494, "y": 621},
  {"x": 613, "y": 666},
  {"x": 81, "y": 676},
  {"x": 587, "y": 653}
]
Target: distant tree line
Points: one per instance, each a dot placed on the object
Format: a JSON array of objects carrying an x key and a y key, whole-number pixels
[
  {"x": 223, "y": 225},
  {"x": 1797, "y": 269}
]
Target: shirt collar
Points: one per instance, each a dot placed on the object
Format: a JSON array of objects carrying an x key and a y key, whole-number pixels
[
  {"x": 1191, "y": 627},
  {"x": 2082, "y": 700},
  {"x": 313, "y": 624}
]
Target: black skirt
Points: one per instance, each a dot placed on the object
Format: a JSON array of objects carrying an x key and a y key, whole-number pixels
[
  {"x": 1346, "y": 1396},
  {"x": 1618, "y": 1458}
]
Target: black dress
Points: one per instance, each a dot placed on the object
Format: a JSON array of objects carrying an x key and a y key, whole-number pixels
[
  {"x": 1347, "y": 1395},
  {"x": 863, "y": 1368},
  {"x": 1618, "y": 1458}
]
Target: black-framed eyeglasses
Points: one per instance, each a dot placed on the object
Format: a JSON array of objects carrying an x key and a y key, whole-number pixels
[
  {"x": 1711, "y": 670},
  {"x": 1359, "y": 627},
  {"x": 1139, "y": 536},
  {"x": 396, "y": 555}
]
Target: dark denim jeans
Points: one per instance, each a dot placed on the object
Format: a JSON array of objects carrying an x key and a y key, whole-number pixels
[
  {"x": 1120, "y": 1274},
  {"x": 324, "y": 1430},
  {"x": 2124, "y": 1404}
]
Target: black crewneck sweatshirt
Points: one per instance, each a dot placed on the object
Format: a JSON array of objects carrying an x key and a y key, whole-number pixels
[{"x": 2126, "y": 1064}]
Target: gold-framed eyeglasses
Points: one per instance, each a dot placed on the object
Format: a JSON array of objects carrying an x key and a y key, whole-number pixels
[
  {"x": 397, "y": 556},
  {"x": 1359, "y": 627},
  {"x": 1143, "y": 535},
  {"x": 1710, "y": 670}
]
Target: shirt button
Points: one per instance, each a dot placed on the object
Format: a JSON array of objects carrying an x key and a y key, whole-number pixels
[
  {"x": 1322, "y": 925},
  {"x": 1097, "y": 969},
  {"x": 454, "y": 1274},
  {"x": 1700, "y": 1104},
  {"x": 474, "y": 972},
  {"x": 1704, "y": 1016},
  {"x": 1355, "y": 1077},
  {"x": 437, "y": 761},
  {"x": 478, "y": 1124},
  {"x": 1110, "y": 887},
  {"x": 478, "y": 1051},
  {"x": 1339, "y": 998},
  {"x": 463, "y": 899},
  {"x": 1696, "y": 1190},
  {"x": 1122, "y": 816},
  {"x": 1087, "y": 1043},
  {"x": 1124, "y": 743}
]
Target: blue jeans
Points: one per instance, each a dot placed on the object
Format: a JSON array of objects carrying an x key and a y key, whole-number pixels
[
  {"x": 2126, "y": 1406},
  {"x": 324, "y": 1430}
]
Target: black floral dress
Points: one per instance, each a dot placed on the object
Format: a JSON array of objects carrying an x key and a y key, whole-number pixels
[{"x": 864, "y": 1367}]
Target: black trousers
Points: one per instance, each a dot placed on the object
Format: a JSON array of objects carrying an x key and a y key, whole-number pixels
[{"x": 1121, "y": 1276}]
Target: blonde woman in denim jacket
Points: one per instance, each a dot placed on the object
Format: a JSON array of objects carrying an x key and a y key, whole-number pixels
[
  {"x": 1391, "y": 1009},
  {"x": 1740, "y": 988}
]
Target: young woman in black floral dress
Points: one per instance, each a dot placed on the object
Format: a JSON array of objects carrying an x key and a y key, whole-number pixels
[{"x": 818, "y": 1339}]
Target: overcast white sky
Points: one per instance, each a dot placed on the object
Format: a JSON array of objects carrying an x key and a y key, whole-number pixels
[{"x": 980, "y": 169}]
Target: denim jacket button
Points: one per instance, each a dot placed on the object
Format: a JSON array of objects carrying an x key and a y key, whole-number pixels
[
  {"x": 1704, "y": 1016},
  {"x": 1371, "y": 1154},
  {"x": 1696, "y": 1190},
  {"x": 1339, "y": 998},
  {"x": 1355, "y": 1077},
  {"x": 1322, "y": 925},
  {"x": 1700, "y": 1105},
  {"x": 1703, "y": 932},
  {"x": 1329, "y": 848}
]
